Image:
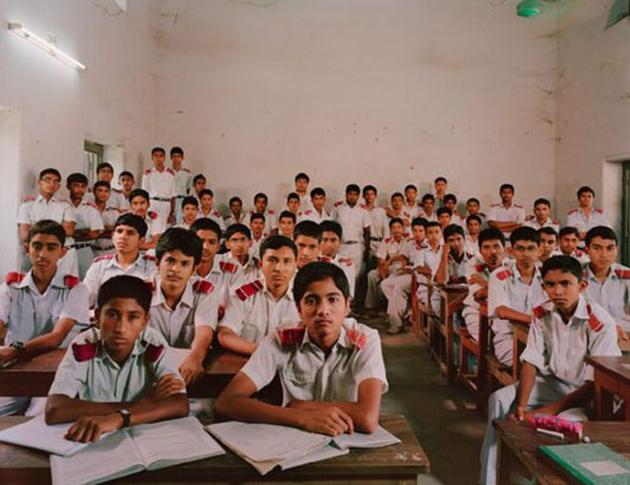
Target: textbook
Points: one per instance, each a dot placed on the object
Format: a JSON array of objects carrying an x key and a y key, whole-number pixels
[
  {"x": 592, "y": 463},
  {"x": 131, "y": 450},
  {"x": 266, "y": 446}
]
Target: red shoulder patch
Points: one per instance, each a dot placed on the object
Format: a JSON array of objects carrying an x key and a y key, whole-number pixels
[
  {"x": 203, "y": 286},
  {"x": 271, "y": 211},
  {"x": 170, "y": 170},
  {"x": 358, "y": 339},
  {"x": 153, "y": 352},
  {"x": 70, "y": 281},
  {"x": 147, "y": 171},
  {"x": 29, "y": 198},
  {"x": 346, "y": 261},
  {"x": 539, "y": 311},
  {"x": 228, "y": 267},
  {"x": 291, "y": 336},
  {"x": 92, "y": 204},
  {"x": 623, "y": 274},
  {"x": 14, "y": 277},
  {"x": 389, "y": 239},
  {"x": 186, "y": 170},
  {"x": 593, "y": 321},
  {"x": 307, "y": 212},
  {"x": 479, "y": 267},
  {"x": 599, "y": 211},
  {"x": 338, "y": 203},
  {"x": 148, "y": 257},
  {"x": 325, "y": 259},
  {"x": 249, "y": 289},
  {"x": 216, "y": 214},
  {"x": 152, "y": 215},
  {"x": 103, "y": 257},
  {"x": 555, "y": 222},
  {"x": 503, "y": 275},
  {"x": 151, "y": 285},
  {"x": 83, "y": 352}
]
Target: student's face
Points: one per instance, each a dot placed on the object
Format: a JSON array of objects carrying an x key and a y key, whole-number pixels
[
  {"x": 127, "y": 183},
  {"x": 456, "y": 242},
  {"x": 548, "y": 245},
  {"x": 278, "y": 266},
  {"x": 473, "y": 228},
  {"x": 602, "y": 252},
  {"x": 352, "y": 198},
  {"x": 444, "y": 220},
  {"x": 257, "y": 226},
  {"x": 369, "y": 196},
  {"x": 101, "y": 194},
  {"x": 428, "y": 205},
  {"x": 238, "y": 244},
  {"x": 44, "y": 250},
  {"x": 49, "y": 184},
  {"x": 308, "y": 250},
  {"x": 199, "y": 185},
  {"x": 330, "y": 244},
  {"x": 472, "y": 208},
  {"x": 586, "y": 199},
  {"x": 125, "y": 239},
  {"x": 189, "y": 212},
  {"x": 210, "y": 244},
  {"x": 176, "y": 160},
  {"x": 449, "y": 204},
  {"x": 293, "y": 205},
  {"x": 507, "y": 195},
  {"x": 397, "y": 203},
  {"x": 569, "y": 243},
  {"x": 419, "y": 233},
  {"x": 434, "y": 234},
  {"x": 396, "y": 230},
  {"x": 77, "y": 190},
  {"x": 261, "y": 205},
  {"x": 121, "y": 321},
  {"x": 323, "y": 309},
  {"x": 563, "y": 289},
  {"x": 318, "y": 201},
  {"x": 175, "y": 269},
  {"x": 301, "y": 185},
  {"x": 492, "y": 252},
  {"x": 139, "y": 206},
  {"x": 236, "y": 207},
  {"x": 106, "y": 174},
  {"x": 286, "y": 226},
  {"x": 541, "y": 211},
  {"x": 411, "y": 195},
  {"x": 158, "y": 158},
  {"x": 440, "y": 187},
  {"x": 206, "y": 201},
  {"x": 525, "y": 253}
]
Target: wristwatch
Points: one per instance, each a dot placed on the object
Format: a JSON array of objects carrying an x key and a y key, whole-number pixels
[
  {"x": 17, "y": 345},
  {"x": 126, "y": 415}
]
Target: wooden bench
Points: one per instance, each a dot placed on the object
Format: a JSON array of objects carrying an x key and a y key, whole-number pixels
[{"x": 478, "y": 348}]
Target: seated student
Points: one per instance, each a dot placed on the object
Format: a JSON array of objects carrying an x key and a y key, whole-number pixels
[
  {"x": 258, "y": 307},
  {"x": 257, "y": 227},
  {"x": 307, "y": 237},
  {"x": 586, "y": 217},
  {"x": 198, "y": 184},
  {"x": 39, "y": 310},
  {"x": 428, "y": 208},
  {"x": 540, "y": 219},
  {"x": 489, "y": 258},
  {"x": 261, "y": 201},
  {"x": 410, "y": 205},
  {"x": 397, "y": 288},
  {"x": 608, "y": 282},
  {"x": 105, "y": 173},
  {"x": 379, "y": 226},
  {"x": 127, "y": 259},
  {"x": 397, "y": 209},
  {"x": 331, "y": 386},
  {"x": 473, "y": 209},
  {"x": 190, "y": 209},
  {"x": 109, "y": 214},
  {"x": 317, "y": 212},
  {"x": 139, "y": 203},
  {"x": 293, "y": 203},
  {"x": 127, "y": 183},
  {"x": 514, "y": 290},
  {"x": 428, "y": 260},
  {"x": 444, "y": 216},
  {"x": 119, "y": 373},
  {"x": 391, "y": 262},
  {"x": 548, "y": 244},
  {"x": 568, "y": 243},
  {"x": 301, "y": 189},
  {"x": 236, "y": 215},
  {"x": 555, "y": 378},
  {"x": 206, "y": 201},
  {"x": 454, "y": 260},
  {"x": 89, "y": 223},
  {"x": 440, "y": 184},
  {"x": 450, "y": 202},
  {"x": 473, "y": 228},
  {"x": 331, "y": 237},
  {"x": 507, "y": 215},
  {"x": 183, "y": 310},
  {"x": 238, "y": 240},
  {"x": 286, "y": 224}
]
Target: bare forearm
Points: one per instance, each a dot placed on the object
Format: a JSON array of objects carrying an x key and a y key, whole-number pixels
[
  {"x": 63, "y": 409},
  {"x": 251, "y": 410},
  {"x": 510, "y": 314},
  {"x": 201, "y": 342},
  {"x": 233, "y": 342},
  {"x": 528, "y": 378},
  {"x": 441, "y": 275},
  {"x": 578, "y": 398},
  {"x": 364, "y": 417}
]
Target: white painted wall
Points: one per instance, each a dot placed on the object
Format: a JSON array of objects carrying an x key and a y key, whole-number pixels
[
  {"x": 368, "y": 91},
  {"x": 9, "y": 154}
]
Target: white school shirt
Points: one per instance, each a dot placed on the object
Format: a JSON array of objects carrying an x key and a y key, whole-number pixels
[
  {"x": 109, "y": 216},
  {"x": 346, "y": 265},
  {"x": 223, "y": 275},
  {"x": 404, "y": 215},
  {"x": 411, "y": 210},
  {"x": 476, "y": 265},
  {"x": 182, "y": 182},
  {"x": 353, "y": 220},
  {"x": 231, "y": 219},
  {"x": 305, "y": 201},
  {"x": 214, "y": 215},
  {"x": 271, "y": 222},
  {"x": 313, "y": 215},
  {"x": 432, "y": 217},
  {"x": 379, "y": 228},
  {"x": 159, "y": 184},
  {"x": 244, "y": 273},
  {"x": 34, "y": 209},
  {"x": 577, "y": 218},
  {"x": 306, "y": 373},
  {"x": 254, "y": 250},
  {"x": 559, "y": 349},
  {"x": 411, "y": 249},
  {"x": 470, "y": 246},
  {"x": 613, "y": 294},
  {"x": 118, "y": 199},
  {"x": 499, "y": 213},
  {"x": 88, "y": 217},
  {"x": 532, "y": 222},
  {"x": 388, "y": 248}
]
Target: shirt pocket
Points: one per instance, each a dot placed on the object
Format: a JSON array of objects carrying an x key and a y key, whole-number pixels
[{"x": 299, "y": 384}]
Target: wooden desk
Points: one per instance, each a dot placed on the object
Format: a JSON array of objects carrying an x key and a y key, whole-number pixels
[
  {"x": 452, "y": 298},
  {"x": 518, "y": 449},
  {"x": 401, "y": 463},
  {"x": 612, "y": 377}
]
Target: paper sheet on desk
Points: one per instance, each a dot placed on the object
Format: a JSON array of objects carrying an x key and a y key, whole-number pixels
[{"x": 381, "y": 437}]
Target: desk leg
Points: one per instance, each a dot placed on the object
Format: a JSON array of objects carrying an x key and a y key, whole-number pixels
[{"x": 505, "y": 461}]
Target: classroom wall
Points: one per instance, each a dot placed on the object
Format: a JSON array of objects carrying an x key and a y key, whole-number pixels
[
  {"x": 368, "y": 91},
  {"x": 593, "y": 107}
]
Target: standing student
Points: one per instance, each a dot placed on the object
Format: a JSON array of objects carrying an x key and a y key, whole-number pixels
[
  {"x": 428, "y": 208},
  {"x": 257, "y": 227},
  {"x": 555, "y": 379},
  {"x": 108, "y": 214},
  {"x": 450, "y": 202},
  {"x": 355, "y": 222},
  {"x": 139, "y": 203},
  {"x": 317, "y": 212},
  {"x": 411, "y": 205},
  {"x": 119, "y": 373},
  {"x": 440, "y": 184},
  {"x": 286, "y": 224},
  {"x": 238, "y": 240},
  {"x": 398, "y": 210},
  {"x": 293, "y": 203},
  {"x": 159, "y": 182},
  {"x": 258, "y": 307},
  {"x": 198, "y": 184},
  {"x": 548, "y": 243},
  {"x": 506, "y": 216},
  {"x": 236, "y": 215},
  {"x": 444, "y": 215},
  {"x": 586, "y": 217},
  {"x": 379, "y": 226},
  {"x": 105, "y": 173},
  {"x": 307, "y": 238},
  {"x": 541, "y": 217},
  {"x": 473, "y": 208},
  {"x": 473, "y": 229},
  {"x": 182, "y": 180},
  {"x": 342, "y": 365},
  {"x": 301, "y": 188},
  {"x": 568, "y": 243},
  {"x": 189, "y": 211},
  {"x": 39, "y": 310},
  {"x": 331, "y": 237},
  {"x": 261, "y": 201},
  {"x": 127, "y": 183},
  {"x": 129, "y": 231},
  {"x": 206, "y": 203}
]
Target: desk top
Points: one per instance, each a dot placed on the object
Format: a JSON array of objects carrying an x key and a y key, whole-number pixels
[
  {"x": 524, "y": 443},
  {"x": 404, "y": 460},
  {"x": 618, "y": 367}
]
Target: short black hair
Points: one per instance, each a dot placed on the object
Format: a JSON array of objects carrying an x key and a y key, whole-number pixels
[
  {"x": 101, "y": 183},
  {"x": 302, "y": 176},
  {"x": 277, "y": 242},
  {"x": 550, "y": 231},
  {"x": 506, "y": 186},
  {"x": 206, "y": 224},
  {"x": 256, "y": 215},
  {"x": 353, "y": 188},
  {"x": 331, "y": 226},
  {"x": 585, "y": 189},
  {"x": 566, "y": 264},
  {"x": 177, "y": 151},
  {"x": 444, "y": 210},
  {"x": 396, "y": 220},
  {"x": 203, "y": 192},
  {"x": 473, "y": 199},
  {"x": 138, "y": 193},
  {"x": 600, "y": 231},
  {"x": 293, "y": 196},
  {"x": 307, "y": 229},
  {"x": 542, "y": 200},
  {"x": 132, "y": 220},
  {"x": 426, "y": 197},
  {"x": 410, "y": 186},
  {"x": 419, "y": 221},
  {"x": 367, "y": 188},
  {"x": 190, "y": 200},
  {"x": 440, "y": 179},
  {"x": 569, "y": 230},
  {"x": 197, "y": 177},
  {"x": 453, "y": 229},
  {"x": 49, "y": 228},
  {"x": 50, "y": 171},
  {"x": 155, "y": 150},
  {"x": 433, "y": 224},
  {"x": 473, "y": 217},
  {"x": 319, "y": 271},
  {"x": 235, "y": 199},
  {"x": 103, "y": 165},
  {"x": 261, "y": 195},
  {"x": 318, "y": 191},
  {"x": 524, "y": 233},
  {"x": 490, "y": 234},
  {"x": 125, "y": 286},
  {"x": 237, "y": 229},
  {"x": 289, "y": 214},
  {"x": 76, "y": 178},
  {"x": 450, "y": 197},
  {"x": 178, "y": 238},
  {"x": 397, "y": 194},
  {"x": 126, "y": 173}
]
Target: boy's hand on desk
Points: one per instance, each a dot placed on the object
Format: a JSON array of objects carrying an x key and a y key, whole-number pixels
[
  {"x": 167, "y": 386},
  {"x": 621, "y": 334},
  {"x": 7, "y": 355},
  {"x": 521, "y": 414},
  {"x": 328, "y": 420},
  {"x": 191, "y": 369},
  {"x": 90, "y": 428}
]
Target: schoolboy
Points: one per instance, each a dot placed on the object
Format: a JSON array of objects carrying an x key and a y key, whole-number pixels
[
  {"x": 286, "y": 224},
  {"x": 159, "y": 182},
  {"x": 428, "y": 208},
  {"x": 189, "y": 211},
  {"x": 379, "y": 225},
  {"x": 127, "y": 183},
  {"x": 440, "y": 184},
  {"x": 398, "y": 210},
  {"x": 444, "y": 215},
  {"x": 548, "y": 243},
  {"x": 236, "y": 215},
  {"x": 541, "y": 217},
  {"x": 258, "y": 307},
  {"x": 257, "y": 227},
  {"x": 301, "y": 188},
  {"x": 473, "y": 228},
  {"x": 198, "y": 184},
  {"x": 108, "y": 214},
  {"x": 506, "y": 216},
  {"x": 317, "y": 212},
  {"x": 450, "y": 202},
  {"x": 473, "y": 208},
  {"x": 238, "y": 240},
  {"x": 307, "y": 237},
  {"x": 182, "y": 180},
  {"x": 139, "y": 203},
  {"x": 586, "y": 217},
  {"x": 118, "y": 374},
  {"x": 261, "y": 201},
  {"x": 355, "y": 222},
  {"x": 206, "y": 201},
  {"x": 454, "y": 260},
  {"x": 339, "y": 363},
  {"x": 411, "y": 206},
  {"x": 293, "y": 203},
  {"x": 105, "y": 173},
  {"x": 331, "y": 237},
  {"x": 569, "y": 241},
  {"x": 555, "y": 378},
  {"x": 514, "y": 290},
  {"x": 428, "y": 260},
  {"x": 42, "y": 309}
]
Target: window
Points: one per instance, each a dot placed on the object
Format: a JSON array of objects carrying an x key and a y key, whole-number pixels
[{"x": 92, "y": 156}]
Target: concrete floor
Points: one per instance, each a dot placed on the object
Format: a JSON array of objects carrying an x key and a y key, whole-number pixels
[{"x": 444, "y": 417}]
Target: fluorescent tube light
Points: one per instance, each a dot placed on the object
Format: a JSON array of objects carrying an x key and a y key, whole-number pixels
[{"x": 44, "y": 45}]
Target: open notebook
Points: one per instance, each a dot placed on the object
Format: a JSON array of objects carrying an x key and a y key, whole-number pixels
[
  {"x": 266, "y": 446},
  {"x": 131, "y": 450}
]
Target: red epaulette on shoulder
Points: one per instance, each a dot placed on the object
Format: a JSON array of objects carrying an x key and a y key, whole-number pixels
[
  {"x": 363, "y": 206},
  {"x": 150, "y": 284},
  {"x": 346, "y": 261},
  {"x": 518, "y": 206},
  {"x": 307, "y": 212},
  {"x": 623, "y": 274},
  {"x": 503, "y": 275},
  {"x": 271, "y": 211},
  {"x": 406, "y": 234},
  {"x": 358, "y": 339},
  {"x": 186, "y": 170},
  {"x": 249, "y": 289},
  {"x": 103, "y": 257},
  {"x": 479, "y": 267},
  {"x": 70, "y": 281},
  {"x": 148, "y": 257},
  {"x": 593, "y": 321},
  {"x": 470, "y": 255},
  {"x": 216, "y": 213},
  {"x": 291, "y": 336},
  {"x": 572, "y": 211},
  {"x": 152, "y": 215},
  {"x": 147, "y": 171},
  {"x": 203, "y": 286},
  {"x": 14, "y": 277},
  {"x": 338, "y": 203},
  {"x": 325, "y": 259},
  {"x": 83, "y": 352},
  {"x": 389, "y": 239},
  {"x": 557, "y": 223},
  {"x": 153, "y": 352},
  {"x": 29, "y": 198},
  {"x": 92, "y": 204},
  {"x": 228, "y": 267},
  {"x": 529, "y": 218},
  {"x": 170, "y": 170},
  {"x": 539, "y": 311}
]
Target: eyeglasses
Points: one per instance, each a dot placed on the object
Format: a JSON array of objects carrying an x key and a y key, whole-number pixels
[{"x": 51, "y": 180}]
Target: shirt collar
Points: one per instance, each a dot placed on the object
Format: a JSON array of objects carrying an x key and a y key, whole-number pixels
[
  {"x": 287, "y": 296},
  {"x": 41, "y": 198},
  {"x": 138, "y": 348},
  {"x": 343, "y": 340},
  {"x": 114, "y": 261},
  {"x": 187, "y": 298},
  {"x": 28, "y": 281}
]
